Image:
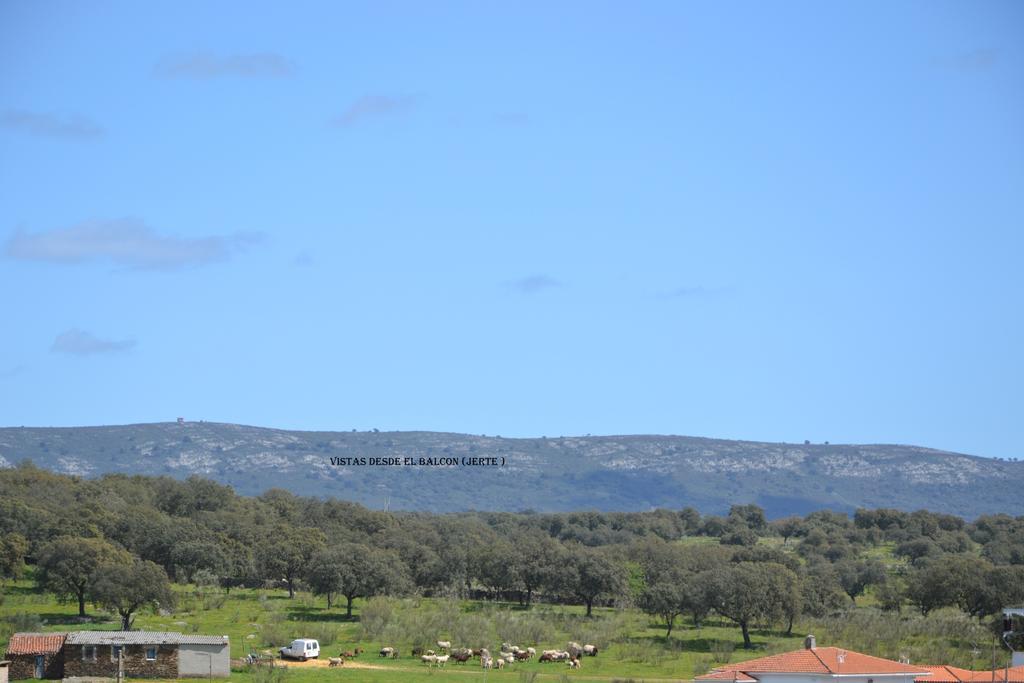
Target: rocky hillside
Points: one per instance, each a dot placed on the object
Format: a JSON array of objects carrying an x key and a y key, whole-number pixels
[{"x": 414, "y": 470}]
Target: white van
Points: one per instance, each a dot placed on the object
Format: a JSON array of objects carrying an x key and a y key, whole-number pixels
[{"x": 302, "y": 648}]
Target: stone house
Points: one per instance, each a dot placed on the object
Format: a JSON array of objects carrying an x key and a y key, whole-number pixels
[
  {"x": 145, "y": 654},
  {"x": 35, "y": 655}
]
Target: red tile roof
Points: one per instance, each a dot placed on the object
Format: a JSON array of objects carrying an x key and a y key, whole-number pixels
[
  {"x": 35, "y": 643},
  {"x": 719, "y": 675},
  {"x": 952, "y": 674},
  {"x": 821, "y": 660},
  {"x": 1013, "y": 675},
  {"x": 945, "y": 674}
]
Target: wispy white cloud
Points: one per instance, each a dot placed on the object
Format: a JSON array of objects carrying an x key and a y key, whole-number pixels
[
  {"x": 45, "y": 125},
  {"x": 533, "y": 283},
  {"x": 373, "y": 106},
  {"x": 81, "y": 343},
  {"x": 204, "y": 66},
  {"x": 127, "y": 242}
]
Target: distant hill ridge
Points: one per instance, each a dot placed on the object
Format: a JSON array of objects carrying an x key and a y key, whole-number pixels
[{"x": 626, "y": 473}]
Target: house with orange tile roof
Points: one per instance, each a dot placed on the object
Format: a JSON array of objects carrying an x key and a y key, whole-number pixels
[
  {"x": 36, "y": 655},
  {"x": 818, "y": 665},
  {"x": 952, "y": 674}
]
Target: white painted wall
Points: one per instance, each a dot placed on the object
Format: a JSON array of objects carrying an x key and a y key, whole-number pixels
[{"x": 200, "y": 660}]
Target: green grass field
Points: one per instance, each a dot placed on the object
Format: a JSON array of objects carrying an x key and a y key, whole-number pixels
[
  {"x": 633, "y": 645},
  {"x": 259, "y": 620}
]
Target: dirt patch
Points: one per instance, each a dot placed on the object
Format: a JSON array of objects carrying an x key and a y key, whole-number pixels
[{"x": 324, "y": 662}]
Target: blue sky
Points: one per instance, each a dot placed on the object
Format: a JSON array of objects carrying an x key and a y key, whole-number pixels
[{"x": 762, "y": 221}]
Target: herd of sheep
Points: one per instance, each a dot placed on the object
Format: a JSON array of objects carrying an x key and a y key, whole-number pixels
[{"x": 509, "y": 654}]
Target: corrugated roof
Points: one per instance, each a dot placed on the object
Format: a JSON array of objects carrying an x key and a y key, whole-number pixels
[
  {"x": 35, "y": 643},
  {"x": 141, "y": 638}
]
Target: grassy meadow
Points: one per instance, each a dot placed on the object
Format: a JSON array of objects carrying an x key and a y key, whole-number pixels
[{"x": 633, "y": 645}]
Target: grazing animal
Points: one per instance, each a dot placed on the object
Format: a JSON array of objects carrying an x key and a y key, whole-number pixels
[
  {"x": 429, "y": 659},
  {"x": 547, "y": 657},
  {"x": 500, "y": 663},
  {"x": 509, "y": 657},
  {"x": 461, "y": 657},
  {"x": 348, "y": 655},
  {"x": 335, "y": 661},
  {"x": 442, "y": 660},
  {"x": 506, "y": 647},
  {"x": 590, "y": 650},
  {"x": 521, "y": 656},
  {"x": 394, "y": 655},
  {"x": 532, "y": 651},
  {"x": 574, "y": 664},
  {"x": 387, "y": 652},
  {"x": 444, "y": 645}
]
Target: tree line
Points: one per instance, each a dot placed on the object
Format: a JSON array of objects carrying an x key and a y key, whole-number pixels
[{"x": 118, "y": 541}]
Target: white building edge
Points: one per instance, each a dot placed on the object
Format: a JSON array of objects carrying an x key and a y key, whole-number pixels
[{"x": 1008, "y": 614}]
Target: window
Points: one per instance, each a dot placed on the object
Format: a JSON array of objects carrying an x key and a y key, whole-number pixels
[
  {"x": 115, "y": 652},
  {"x": 89, "y": 652},
  {"x": 150, "y": 654}
]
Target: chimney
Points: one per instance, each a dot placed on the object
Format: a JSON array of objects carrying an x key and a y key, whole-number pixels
[{"x": 810, "y": 643}]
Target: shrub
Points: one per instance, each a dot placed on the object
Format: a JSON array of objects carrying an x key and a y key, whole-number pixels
[
  {"x": 721, "y": 650},
  {"x": 267, "y": 673},
  {"x": 376, "y": 615}
]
